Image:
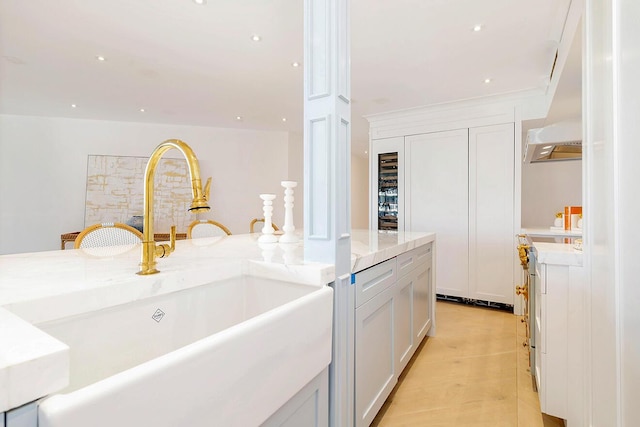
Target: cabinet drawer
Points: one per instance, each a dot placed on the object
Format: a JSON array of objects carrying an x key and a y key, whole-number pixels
[
  {"x": 373, "y": 280},
  {"x": 415, "y": 257}
]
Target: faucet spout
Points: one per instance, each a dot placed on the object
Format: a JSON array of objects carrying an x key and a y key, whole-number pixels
[{"x": 199, "y": 204}]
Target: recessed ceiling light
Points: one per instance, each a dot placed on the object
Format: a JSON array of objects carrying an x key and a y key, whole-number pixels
[
  {"x": 487, "y": 80},
  {"x": 101, "y": 58},
  {"x": 238, "y": 118},
  {"x": 366, "y": 152},
  {"x": 142, "y": 110},
  {"x": 477, "y": 28},
  {"x": 544, "y": 152},
  {"x": 200, "y": 2},
  {"x": 295, "y": 64},
  {"x": 284, "y": 119},
  {"x": 546, "y": 147},
  {"x": 73, "y": 105},
  {"x": 256, "y": 38}
]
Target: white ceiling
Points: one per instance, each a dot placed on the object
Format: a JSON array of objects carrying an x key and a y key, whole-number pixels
[{"x": 197, "y": 65}]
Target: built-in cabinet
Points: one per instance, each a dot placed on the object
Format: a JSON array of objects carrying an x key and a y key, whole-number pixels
[
  {"x": 388, "y": 187},
  {"x": 559, "y": 311},
  {"x": 22, "y": 416},
  {"x": 551, "y": 329},
  {"x": 437, "y": 199},
  {"x": 393, "y": 313},
  {"x": 460, "y": 185},
  {"x": 308, "y": 407},
  {"x": 388, "y": 191}
]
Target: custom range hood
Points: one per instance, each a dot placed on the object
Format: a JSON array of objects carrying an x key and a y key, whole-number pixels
[{"x": 559, "y": 141}]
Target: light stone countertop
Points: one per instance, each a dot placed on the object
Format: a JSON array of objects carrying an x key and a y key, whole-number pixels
[
  {"x": 557, "y": 254},
  {"x": 44, "y": 286},
  {"x": 550, "y": 232}
]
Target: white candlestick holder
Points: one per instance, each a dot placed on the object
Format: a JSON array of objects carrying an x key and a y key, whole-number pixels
[
  {"x": 289, "y": 254},
  {"x": 267, "y": 209},
  {"x": 268, "y": 251},
  {"x": 288, "y": 228}
]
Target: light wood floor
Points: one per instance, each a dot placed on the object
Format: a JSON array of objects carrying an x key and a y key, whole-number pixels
[{"x": 474, "y": 372}]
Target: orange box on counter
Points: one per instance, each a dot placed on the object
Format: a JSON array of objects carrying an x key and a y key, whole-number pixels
[{"x": 571, "y": 216}]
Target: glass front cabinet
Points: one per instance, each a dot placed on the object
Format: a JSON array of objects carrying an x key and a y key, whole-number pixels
[
  {"x": 388, "y": 191},
  {"x": 387, "y": 166}
]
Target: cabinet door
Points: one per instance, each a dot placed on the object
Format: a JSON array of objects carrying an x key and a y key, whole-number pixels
[
  {"x": 404, "y": 345},
  {"x": 374, "y": 368},
  {"x": 422, "y": 301},
  {"x": 437, "y": 199},
  {"x": 491, "y": 233}
]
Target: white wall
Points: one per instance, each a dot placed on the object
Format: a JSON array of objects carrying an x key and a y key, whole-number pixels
[
  {"x": 359, "y": 192},
  {"x": 43, "y": 164},
  {"x": 547, "y": 188}
]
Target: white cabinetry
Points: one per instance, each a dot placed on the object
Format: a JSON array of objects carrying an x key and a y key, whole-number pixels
[
  {"x": 309, "y": 407},
  {"x": 22, "y": 416},
  {"x": 393, "y": 313},
  {"x": 437, "y": 199},
  {"x": 559, "y": 293},
  {"x": 551, "y": 328},
  {"x": 374, "y": 370},
  {"x": 491, "y": 211},
  {"x": 403, "y": 339},
  {"x": 460, "y": 184}
]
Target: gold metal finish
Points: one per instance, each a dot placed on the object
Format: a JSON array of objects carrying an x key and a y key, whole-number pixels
[
  {"x": 211, "y": 223},
  {"x": 523, "y": 290},
  {"x": 149, "y": 249},
  {"x": 523, "y": 253}
]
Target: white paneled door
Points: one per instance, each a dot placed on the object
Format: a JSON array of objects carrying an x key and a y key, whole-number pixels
[
  {"x": 460, "y": 184},
  {"x": 437, "y": 199},
  {"x": 491, "y": 194}
]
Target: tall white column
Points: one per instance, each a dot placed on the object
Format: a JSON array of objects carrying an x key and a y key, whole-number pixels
[
  {"x": 327, "y": 177},
  {"x": 611, "y": 210}
]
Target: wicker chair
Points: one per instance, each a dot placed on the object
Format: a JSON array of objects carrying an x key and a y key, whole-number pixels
[
  {"x": 206, "y": 228},
  {"x": 107, "y": 234},
  {"x": 259, "y": 222}
]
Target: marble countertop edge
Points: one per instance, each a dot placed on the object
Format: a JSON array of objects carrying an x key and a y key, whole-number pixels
[{"x": 558, "y": 254}]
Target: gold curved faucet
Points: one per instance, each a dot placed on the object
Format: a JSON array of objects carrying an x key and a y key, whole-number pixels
[{"x": 199, "y": 203}]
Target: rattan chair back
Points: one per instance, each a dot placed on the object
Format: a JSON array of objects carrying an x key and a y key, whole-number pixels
[
  {"x": 107, "y": 234},
  {"x": 206, "y": 228}
]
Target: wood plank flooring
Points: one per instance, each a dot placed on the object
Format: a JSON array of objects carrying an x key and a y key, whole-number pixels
[{"x": 474, "y": 372}]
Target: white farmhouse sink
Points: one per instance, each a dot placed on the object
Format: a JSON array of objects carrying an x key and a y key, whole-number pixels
[{"x": 229, "y": 353}]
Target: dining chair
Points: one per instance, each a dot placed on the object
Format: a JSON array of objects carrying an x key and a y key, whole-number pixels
[
  {"x": 206, "y": 228},
  {"x": 259, "y": 222},
  {"x": 107, "y": 234}
]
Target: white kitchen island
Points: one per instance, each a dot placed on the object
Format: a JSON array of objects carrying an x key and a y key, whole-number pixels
[{"x": 40, "y": 288}]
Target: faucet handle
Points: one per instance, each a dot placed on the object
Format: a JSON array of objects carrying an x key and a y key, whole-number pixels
[
  {"x": 207, "y": 189},
  {"x": 163, "y": 250},
  {"x": 172, "y": 239}
]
